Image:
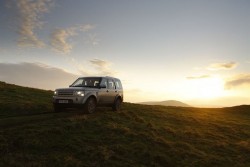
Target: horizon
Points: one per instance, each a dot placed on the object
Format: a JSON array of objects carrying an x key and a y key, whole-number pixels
[
  {"x": 146, "y": 102},
  {"x": 196, "y": 52}
]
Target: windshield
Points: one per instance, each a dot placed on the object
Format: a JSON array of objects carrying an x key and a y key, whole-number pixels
[{"x": 87, "y": 82}]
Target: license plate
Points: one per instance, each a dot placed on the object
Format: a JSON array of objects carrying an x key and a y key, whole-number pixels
[{"x": 63, "y": 101}]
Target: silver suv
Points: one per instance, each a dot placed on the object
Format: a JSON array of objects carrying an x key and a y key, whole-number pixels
[{"x": 88, "y": 93}]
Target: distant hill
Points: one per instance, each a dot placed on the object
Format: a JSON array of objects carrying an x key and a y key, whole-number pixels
[
  {"x": 31, "y": 134},
  {"x": 167, "y": 103}
]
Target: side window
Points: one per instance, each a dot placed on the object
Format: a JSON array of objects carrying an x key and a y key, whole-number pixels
[
  {"x": 117, "y": 84},
  {"x": 111, "y": 84},
  {"x": 96, "y": 83},
  {"x": 104, "y": 82}
]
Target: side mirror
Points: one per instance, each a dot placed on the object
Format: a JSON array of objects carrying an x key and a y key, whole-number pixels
[{"x": 102, "y": 86}]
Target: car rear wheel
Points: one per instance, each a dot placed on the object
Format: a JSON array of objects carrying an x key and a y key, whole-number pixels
[
  {"x": 90, "y": 105},
  {"x": 117, "y": 105}
]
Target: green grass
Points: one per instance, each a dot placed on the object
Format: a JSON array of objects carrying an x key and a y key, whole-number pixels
[
  {"x": 16, "y": 100},
  {"x": 32, "y": 135}
]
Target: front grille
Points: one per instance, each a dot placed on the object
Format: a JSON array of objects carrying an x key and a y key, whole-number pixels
[{"x": 65, "y": 93}]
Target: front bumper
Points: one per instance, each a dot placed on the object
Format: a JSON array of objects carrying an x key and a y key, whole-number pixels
[{"x": 69, "y": 100}]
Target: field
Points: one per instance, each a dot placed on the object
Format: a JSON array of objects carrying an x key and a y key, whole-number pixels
[{"x": 31, "y": 134}]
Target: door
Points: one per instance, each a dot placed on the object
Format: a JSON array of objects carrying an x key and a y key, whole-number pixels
[
  {"x": 103, "y": 92},
  {"x": 111, "y": 93}
]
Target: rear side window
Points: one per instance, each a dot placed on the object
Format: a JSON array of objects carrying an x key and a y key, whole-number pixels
[
  {"x": 118, "y": 84},
  {"x": 111, "y": 84},
  {"x": 104, "y": 82}
]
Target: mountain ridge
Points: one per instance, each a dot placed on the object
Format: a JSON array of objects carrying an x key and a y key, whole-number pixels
[{"x": 166, "y": 103}]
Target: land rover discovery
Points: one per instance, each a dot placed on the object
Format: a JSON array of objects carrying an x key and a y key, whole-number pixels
[{"x": 88, "y": 93}]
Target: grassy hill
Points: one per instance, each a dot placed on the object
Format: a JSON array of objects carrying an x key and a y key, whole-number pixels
[
  {"x": 16, "y": 100},
  {"x": 140, "y": 135}
]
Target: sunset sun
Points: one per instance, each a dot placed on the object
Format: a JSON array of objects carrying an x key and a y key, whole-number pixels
[{"x": 206, "y": 88}]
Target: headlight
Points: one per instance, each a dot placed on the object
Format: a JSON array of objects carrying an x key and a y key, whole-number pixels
[
  {"x": 55, "y": 92},
  {"x": 79, "y": 93}
]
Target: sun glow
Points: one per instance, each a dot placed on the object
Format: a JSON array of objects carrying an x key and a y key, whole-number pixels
[{"x": 205, "y": 88}]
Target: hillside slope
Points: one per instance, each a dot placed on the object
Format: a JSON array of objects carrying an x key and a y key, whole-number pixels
[
  {"x": 16, "y": 99},
  {"x": 139, "y": 135}
]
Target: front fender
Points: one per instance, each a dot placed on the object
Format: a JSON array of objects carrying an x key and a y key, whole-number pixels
[{"x": 87, "y": 95}]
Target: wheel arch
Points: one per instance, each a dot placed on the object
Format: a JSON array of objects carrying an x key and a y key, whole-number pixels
[
  {"x": 87, "y": 96},
  {"x": 118, "y": 97},
  {"x": 92, "y": 96}
]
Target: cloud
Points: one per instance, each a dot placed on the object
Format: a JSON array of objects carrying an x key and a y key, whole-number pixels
[
  {"x": 237, "y": 81},
  {"x": 100, "y": 63},
  {"x": 94, "y": 67},
  {"x": 43, "y": 76},
  {"x": 198, "y": 77},
  {"x": 222, "y": 66},
  {"x": 93, "y": 39},
  {"x": 86, "y": 27},
  {"x": 102, "y": 67},
  {"x": 35, "y": 75},
  {"x": 59, "y": 38},
  {"x": 28, "y": 17},
  {"x": 29, "y": 20}
]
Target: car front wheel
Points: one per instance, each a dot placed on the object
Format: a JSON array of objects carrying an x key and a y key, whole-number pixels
[{"x": 90, "y": 105}]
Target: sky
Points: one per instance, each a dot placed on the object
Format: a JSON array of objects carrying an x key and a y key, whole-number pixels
[{"x": 194, "y": 51}]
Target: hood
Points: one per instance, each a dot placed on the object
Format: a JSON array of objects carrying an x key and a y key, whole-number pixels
[
  {"x": 72, "y": 88},
  {"x": 75, "y": 89}
]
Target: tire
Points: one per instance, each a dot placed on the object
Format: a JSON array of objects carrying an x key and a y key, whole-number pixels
[
  {"x": 90, "y": 105},
  {"x": 117, "y": 104},
  {"x": 57, "y": 108}
]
